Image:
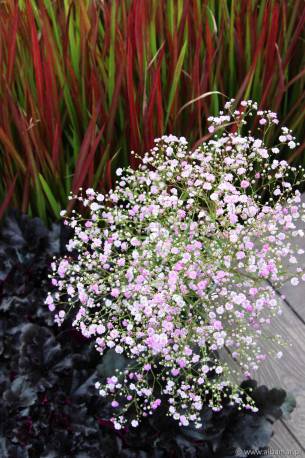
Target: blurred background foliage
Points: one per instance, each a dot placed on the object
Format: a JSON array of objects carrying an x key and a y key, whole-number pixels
[{"x": 84, "y": 82}]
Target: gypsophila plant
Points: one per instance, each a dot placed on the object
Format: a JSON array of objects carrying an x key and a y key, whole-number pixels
[{"x": 175, "y": 266}]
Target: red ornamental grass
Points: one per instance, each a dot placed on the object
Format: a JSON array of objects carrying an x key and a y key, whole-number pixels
[{"x": 83, "y": 83}]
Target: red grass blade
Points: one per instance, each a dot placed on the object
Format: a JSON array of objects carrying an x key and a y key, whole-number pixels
[
  {"x": 36, "y": 54},
  {"x": 12, "y": 47},
  {"x": 134, "y": 131},
  {"x": 8, "y": 198},
  {"x": 84, "y": 157}
]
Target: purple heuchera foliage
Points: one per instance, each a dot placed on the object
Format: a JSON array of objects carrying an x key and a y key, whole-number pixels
[{"x": 175, "y": 264}]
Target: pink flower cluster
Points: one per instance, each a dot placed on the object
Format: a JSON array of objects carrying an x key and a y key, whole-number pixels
[{"x": 174, "y": 267}]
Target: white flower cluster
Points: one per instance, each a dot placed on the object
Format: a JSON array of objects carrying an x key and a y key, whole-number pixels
[{"x": 173, "y": 267}]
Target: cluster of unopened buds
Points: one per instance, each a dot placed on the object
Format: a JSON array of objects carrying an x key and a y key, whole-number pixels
[{"x": 173, "y": 269}]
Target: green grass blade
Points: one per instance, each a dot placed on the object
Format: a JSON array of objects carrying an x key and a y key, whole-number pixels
[
  {"x": 175, "y": 82},
  {"x": 50, "y": 196}
]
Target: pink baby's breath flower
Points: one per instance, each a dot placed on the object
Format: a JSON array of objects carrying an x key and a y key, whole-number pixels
[
  {"x": 244, "y": 184},
  {"x": 50, "y": 302},
  {"x": 217, "y": 325},
  {"x": 156, "y": 404},
  {"x": 157, "y": 342},
  {"x": 240, "y": 255},
  {"x": 175, "y": 371},
  {"x": 115, "y": 292}
]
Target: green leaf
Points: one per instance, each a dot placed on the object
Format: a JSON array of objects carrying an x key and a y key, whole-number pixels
[
  {"x": 40, "y": 202},
  {"x": 173, "y": 88},
  {"x": 52, "y": 201}
]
